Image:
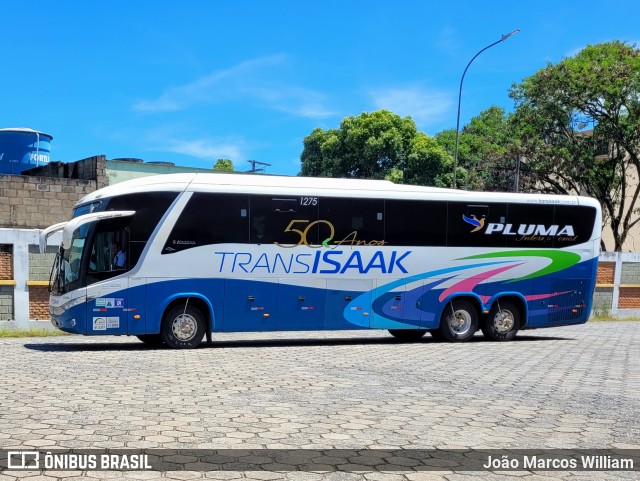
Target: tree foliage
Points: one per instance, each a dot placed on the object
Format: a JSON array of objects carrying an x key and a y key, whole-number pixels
[
  {"x": 377, "y": 145},
  {"x": 578, "y": 126},
  {"x": 486, "y": 152},
  {"x": 225, "y": 165}
]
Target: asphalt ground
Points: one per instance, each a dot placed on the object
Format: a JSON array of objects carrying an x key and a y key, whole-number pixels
[{"x": 562, "y": 388}]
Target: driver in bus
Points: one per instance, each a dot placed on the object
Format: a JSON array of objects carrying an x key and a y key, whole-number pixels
[{"x": 119, "y": 257}]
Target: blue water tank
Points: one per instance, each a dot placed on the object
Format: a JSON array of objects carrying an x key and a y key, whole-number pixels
[{"x": 22, "y": 149}]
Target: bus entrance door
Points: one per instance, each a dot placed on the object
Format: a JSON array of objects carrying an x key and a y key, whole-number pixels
[{"x": 106, "y": 303}]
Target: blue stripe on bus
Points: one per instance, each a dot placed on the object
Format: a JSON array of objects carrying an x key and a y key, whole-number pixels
[{"x": 289, "y": 307}]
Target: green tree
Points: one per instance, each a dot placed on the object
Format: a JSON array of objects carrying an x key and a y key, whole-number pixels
[
  {"x": 224, "y": 165},
  {"x": 569, "y": 113},
  {"x": 486, "y": 152},
  {"x": 377, "y": 145}
]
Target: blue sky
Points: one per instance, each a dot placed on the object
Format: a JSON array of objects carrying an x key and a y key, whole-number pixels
[{"x": 193, "y": 81}]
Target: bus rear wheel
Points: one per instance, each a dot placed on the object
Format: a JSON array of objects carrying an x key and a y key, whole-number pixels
[
  {"x": 407, "y": 335},
  {"x": 459, "y": 321},
  {"x": 182, "y": 327},
  {"x": 503, "y": 322}
]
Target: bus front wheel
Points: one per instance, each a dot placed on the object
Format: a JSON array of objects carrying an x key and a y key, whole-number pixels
[
  {"x": 459, "y": 321},
  {"x": 182, "y": 327},
  {"x": 503, "y": 322},
  {"x": 407, "y": 335}
]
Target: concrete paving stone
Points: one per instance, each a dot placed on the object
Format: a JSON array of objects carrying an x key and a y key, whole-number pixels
[
  {"x": 571, "y": 387},
  {"x": 183, "y": 475}
]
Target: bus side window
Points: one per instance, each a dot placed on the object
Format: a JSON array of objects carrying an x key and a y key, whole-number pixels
[
  {"x": 281, "y": 219},
  {"x": 108, "y": 252},
  {"x": 415, "y": 222},
  {"x": 476, "y": 225},
  {"x": 210, "y": 218},
  {"x": 356, "y": 221}
]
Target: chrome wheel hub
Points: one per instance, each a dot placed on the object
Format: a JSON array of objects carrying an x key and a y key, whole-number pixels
[
  {"x": 503, "y": 322},
  {"x": 460, "y": 322},
  {"x": 184, "y": 327}
]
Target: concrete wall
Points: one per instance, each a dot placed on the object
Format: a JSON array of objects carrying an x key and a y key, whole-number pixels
[
  {"x": 24, "y": 295},
  {"x": 120, "y": 171},
  {"x": 37, "y": 202},
  {"x": 91, "y": 168},
  {"x": 617, "y": 291}
]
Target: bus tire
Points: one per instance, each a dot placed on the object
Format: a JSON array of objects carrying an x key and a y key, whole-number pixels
[
  {"x": 503, "y": 322},
  {"x": 407, "y": 335},
  {"x": 151, "y": 339},
  {"x": 182, "y": 328},
  {"x": 459, "y": 321}
]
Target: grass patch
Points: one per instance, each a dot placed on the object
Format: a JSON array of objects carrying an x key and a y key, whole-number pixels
[
  {"x": 612, "y": 319},
  {"x": 36, "y": 332}
]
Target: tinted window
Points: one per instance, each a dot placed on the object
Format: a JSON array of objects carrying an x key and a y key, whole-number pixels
[
  {"x": 581, "y": 220},
  {"x": 276, "y": 218},
  {"x": 474, "y": 224},
  {"x": 354, "y": 221},
  {"x": 415, "y": 223},
  {"x": 149, "y": 207},
  {"x": 529, "y": 224},
  {"x": 210, "y": 219}
]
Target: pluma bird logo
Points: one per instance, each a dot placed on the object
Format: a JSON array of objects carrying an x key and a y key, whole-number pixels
[{"x": 478, "y": 224}]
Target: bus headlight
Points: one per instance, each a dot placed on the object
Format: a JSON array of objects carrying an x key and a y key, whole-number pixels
[{"x": 59, "y": 310}]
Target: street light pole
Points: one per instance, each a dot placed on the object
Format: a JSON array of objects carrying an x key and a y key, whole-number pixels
[{"x": 455, "y": 153}]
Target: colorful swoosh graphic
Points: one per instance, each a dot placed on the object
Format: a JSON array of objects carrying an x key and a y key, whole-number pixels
[
  {"x": 468, "y": 284},
  {"x": 560, "y": 260}
]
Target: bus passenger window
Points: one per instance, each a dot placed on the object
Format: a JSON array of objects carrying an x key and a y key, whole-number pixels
[{"x": 284, "y": 220}]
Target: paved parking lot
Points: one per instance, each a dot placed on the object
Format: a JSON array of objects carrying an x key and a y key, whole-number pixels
[{"x": 574, "y": 387}]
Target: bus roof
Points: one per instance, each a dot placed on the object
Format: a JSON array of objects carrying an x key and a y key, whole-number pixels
[{"x": 320, "y": 186}]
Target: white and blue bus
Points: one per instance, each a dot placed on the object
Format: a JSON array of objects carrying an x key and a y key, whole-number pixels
[{"x": 174, "y": 258}]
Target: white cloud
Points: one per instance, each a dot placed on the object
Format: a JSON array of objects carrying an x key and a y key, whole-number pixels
[
  {"x": 448, "y": 40},
  {"x": 252, "y": 80},
  {"x": 425, "y": 106}
]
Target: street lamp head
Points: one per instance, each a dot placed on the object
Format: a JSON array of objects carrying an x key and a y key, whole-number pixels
[
  {"x": 511, "y": 34},
  {"x": 455, "y": 152}
]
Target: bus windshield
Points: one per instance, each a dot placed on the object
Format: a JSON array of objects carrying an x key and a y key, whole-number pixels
[{"x": 67, "y": 268}]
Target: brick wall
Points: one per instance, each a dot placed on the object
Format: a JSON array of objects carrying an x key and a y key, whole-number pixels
[
  {"x": 38, "y": 303},
  {"x": 606, "y": 272},
  {"x": 6, "y": 262},
  {"x": 6, "y": 303},
  {"x": 38, "y": 202},
  {"x": 629, "y": 298}
]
